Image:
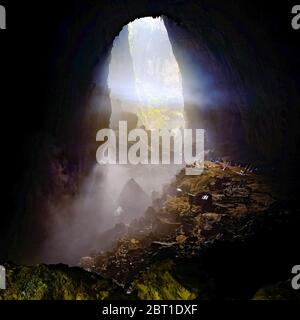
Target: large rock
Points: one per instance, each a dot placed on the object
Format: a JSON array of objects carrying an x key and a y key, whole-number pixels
[{"x": 133, "y": 200}]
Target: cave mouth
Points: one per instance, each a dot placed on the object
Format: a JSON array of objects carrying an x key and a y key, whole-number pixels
[
  {"x": 145, "y": 89},
  {"x": 144, "y": 79}
]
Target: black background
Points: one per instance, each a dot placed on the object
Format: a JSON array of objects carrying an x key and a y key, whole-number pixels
[{"x": 93, "y": 310}]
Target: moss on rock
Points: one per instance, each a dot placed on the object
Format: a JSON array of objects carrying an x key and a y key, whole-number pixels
[
  {"x": 158, "y": 283},
  {"x": 55, "y": 282}
]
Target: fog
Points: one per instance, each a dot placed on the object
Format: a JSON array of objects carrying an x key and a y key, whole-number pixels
[{"x": 146, "y": 90}]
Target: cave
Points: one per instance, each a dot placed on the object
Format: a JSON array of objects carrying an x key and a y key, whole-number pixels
[{"x": 239, "y": 84}]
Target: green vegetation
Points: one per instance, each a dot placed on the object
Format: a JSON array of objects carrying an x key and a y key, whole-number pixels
[
  {"x": 158, "y": 283},
  {"x": 58, "y": 282}
]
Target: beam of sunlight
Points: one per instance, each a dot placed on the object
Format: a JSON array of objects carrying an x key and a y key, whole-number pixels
[
  {"x": 146, "y": 90},
  {"x": 147, "y": 81}
]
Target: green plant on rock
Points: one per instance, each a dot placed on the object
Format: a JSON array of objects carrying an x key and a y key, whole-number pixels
[{"x": 158, "y": 283}]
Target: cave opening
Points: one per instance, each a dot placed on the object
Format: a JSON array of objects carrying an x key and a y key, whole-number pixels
[
  {"x": 237, "y": 83},
  {"x": 176, "y": 81},
  {"x": 144, "y": 84},
  {"x": 145, "y": 90},
  {"x": 153, "y": 76},
  {"x": 144, "y": 76}
]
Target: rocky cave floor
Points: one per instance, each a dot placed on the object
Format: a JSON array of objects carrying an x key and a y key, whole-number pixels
[
  {"x": 173, "y": 238},
  {"x": 236, "y": 246}
]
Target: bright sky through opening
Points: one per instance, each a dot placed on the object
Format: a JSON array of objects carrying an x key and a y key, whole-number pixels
[{"x": 147, "y": 80}]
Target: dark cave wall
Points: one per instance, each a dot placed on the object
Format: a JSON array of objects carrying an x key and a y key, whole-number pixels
[
  {"x": 247, "y": 84},
  {"x": 235, "y": 51},
  {"x": 211, "y": 89},
  {"x": 230, "y": 39}
]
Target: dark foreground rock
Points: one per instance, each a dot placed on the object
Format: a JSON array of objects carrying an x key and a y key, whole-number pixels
[{"x": 279, "y": 291}]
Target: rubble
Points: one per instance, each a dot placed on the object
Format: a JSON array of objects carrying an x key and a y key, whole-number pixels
[
  {"x": 203, "y": 200},
  {"x": 87, "y": 263},
  {"x": 162, "y": 255},
  {"x": 231, "y": 210}
]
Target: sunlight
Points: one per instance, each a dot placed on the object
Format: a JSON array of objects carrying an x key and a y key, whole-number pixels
[{"x": 152, "y": 87}]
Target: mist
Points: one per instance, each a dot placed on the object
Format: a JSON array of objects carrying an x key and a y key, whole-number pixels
[{"x": 146, "y": 90}]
